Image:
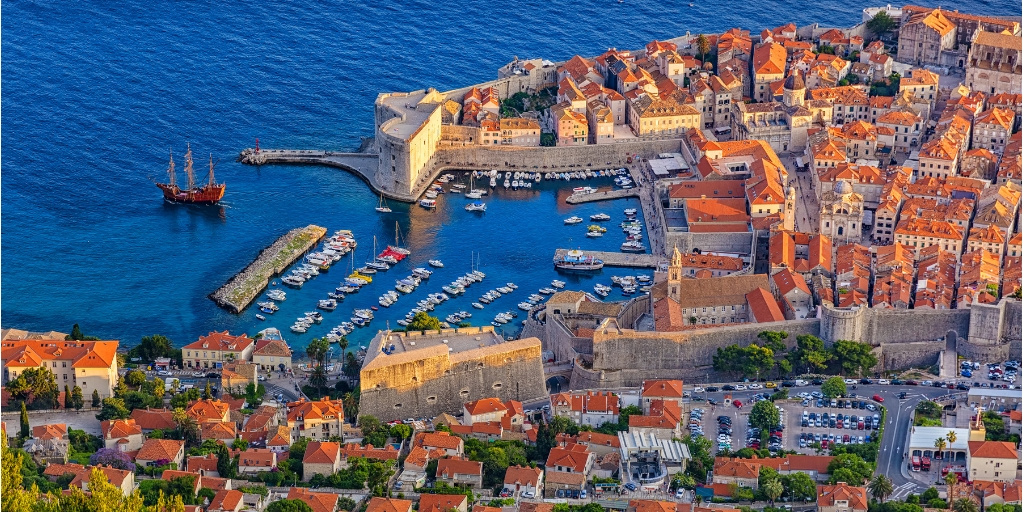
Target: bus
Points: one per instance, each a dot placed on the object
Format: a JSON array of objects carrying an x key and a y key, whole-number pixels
[
  {"x": 915, "y": 463},
  {"x": 926, "y": 464}
]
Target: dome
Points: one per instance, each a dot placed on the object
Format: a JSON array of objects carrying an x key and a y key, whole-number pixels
[
  {"x": 794, "y": 82},
  {"x": 843, "y": 188}
]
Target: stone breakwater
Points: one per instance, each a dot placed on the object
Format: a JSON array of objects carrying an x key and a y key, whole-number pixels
[{"x": 246, "y": 285}]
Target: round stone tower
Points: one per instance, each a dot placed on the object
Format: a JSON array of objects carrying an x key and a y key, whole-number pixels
[
  {"x": 794, "y": 90},
  {"x": 842, "y": 324}
]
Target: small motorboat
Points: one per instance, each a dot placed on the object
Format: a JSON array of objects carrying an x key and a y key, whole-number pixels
[
  {"x": 573, "y": 220},
  {"x": 600, "y": 217},
  {"x": 477, "y": 305},
  {"x": 594, "y": 234},
  {"x": 557, "y": 284},
  {"x": 260, "y": 317},
  {"x": 436, "y": 263}
]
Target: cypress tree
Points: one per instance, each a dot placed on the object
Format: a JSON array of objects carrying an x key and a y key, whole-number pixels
[
  {"x": 25, "y": 430},
  {"x": 95, "y": 398},
  {"x": 67, "y": 397}
]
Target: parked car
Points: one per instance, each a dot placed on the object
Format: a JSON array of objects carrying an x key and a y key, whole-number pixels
[
  {"x": 737, "y": 403},
  {"x": 529, "y": 494},
  {"x": 878, "y": 398}
]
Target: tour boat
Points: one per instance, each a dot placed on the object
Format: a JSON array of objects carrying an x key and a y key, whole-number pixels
[
  {"x": 436, "y": 263},
  {"x": 292, "y": 281},
  {"x": 573, "y": 220},
  {"x": 209, "y": 193},
  {"x": 630, "y": 212},
  {"x": 632, "y": 246},
  {"x": 278, "y": 295},
  {"x": 600, "y": 217},
  {"x": 576, "y": 260},
  {"x": 327, "y": 304},
  {"x": 512, "y": 285},
  {"x": 428, "y": 203},
  {"x": 476, "y": 206},
  {"x": 382, "y": 206}
]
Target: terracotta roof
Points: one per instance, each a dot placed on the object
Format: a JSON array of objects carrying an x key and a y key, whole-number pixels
[
  {"x": 157, "y": 449},
  {"x": 763, "y": 306},
  {"x": 278, "y": 348},
  {"x": 222, "y": 341},
  {"x": 153, "y": 419},
  {"x": 999, "y": 40},
  {"x": 453, "y": 466},
  {"x": 523, "y": 475},
  {"x": 369, "y": 452},
  {"x": 929, "y": 228},
  {"x": 716, "y": 210},
  {"x": 651, "y": 506},
  {"x": 719, "y": 291},
  {"x": 441, "y": 502},
  {"x": 572, "y": 456},
  {"x": 564, "y": 478},
  {"x": 83, "y": 354},
  {"x": 113, "y": 429},
  {"x": 787, "y": 280},
  {"x": 857, "y": 497},
  {"x": 532, "y": 506},
  {"x": 218, "y": 430},
  {"x": 591, "y": 401},
  {"x": 225, "y": 500},
  {"x": 438, "y": 440},
  {"x": 663, "y": 388},
  {"x": 713, "y": 189},
  {"x": 56, "y": 470},
  {"x": 318, "y": 501},
  {"x": 736, "y": 468},
  {"x": 484, "y": 406},
  {"x": 769, "y": 59},
  {"x": 206, "y": 463},
  {"x": 208, "y": 411},
  {"x": 50, "y": 431},
  {"x": 318, "y": 452},
  {"x": 992, "y": 449},
  {"x": 378, "y": 504},
  {"x": 323, "y": 409}
]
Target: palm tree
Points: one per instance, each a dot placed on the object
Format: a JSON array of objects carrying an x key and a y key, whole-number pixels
[
  {"x": 880, "y": 487},
  {"x": 964, "y": 505},
  {"x": 773, "y": 489},
  {"x": 951, "y": 479},
  {"x": 940, "y": 443},
  {"x": 951, "y": 437},
  {"x": 343, "y": 344},
  {"x": 187, "y": 426}
]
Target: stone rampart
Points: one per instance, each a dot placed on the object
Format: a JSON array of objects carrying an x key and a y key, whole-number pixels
[
  {"x": 984, "y": 352},
  {"x": 687, "y": 241},
  {"x": 893, "y": 356},
  {"x": 882, "y": 326}
]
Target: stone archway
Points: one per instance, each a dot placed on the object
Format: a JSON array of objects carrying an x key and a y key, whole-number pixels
[{"x": 557, "y": 384}]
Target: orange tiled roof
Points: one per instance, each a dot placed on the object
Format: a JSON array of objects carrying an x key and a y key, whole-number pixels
[
  {"x": 157, "y": 449},
  {"x": 992, "y": 449},
  {"x": 83, "y": 354},
  {"x": 318, "y": 452},
  {"x": 378, "y": 504},
  {"x": 222, "y": 341},
  {"x": 763, "y": 306},
  {"x": 318, "y": 501},
  {"x": 441, "y": 502},
  {"x": 857, "y": 497}
]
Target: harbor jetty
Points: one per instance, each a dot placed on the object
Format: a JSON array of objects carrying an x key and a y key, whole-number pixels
[
  {"x": 618, "y": 259},
  {"x": 246, "y": 285},
  {"x": 603, "y": 195}
]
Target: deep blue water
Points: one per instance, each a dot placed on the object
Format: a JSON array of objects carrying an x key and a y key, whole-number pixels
[{"x": 96, "y": 93}]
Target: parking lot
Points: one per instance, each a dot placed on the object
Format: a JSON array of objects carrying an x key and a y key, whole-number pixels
[{"x": 845, "y": 423}]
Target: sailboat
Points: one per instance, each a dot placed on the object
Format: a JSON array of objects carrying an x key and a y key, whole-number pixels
[
  {"x": 382, "y": 205},
  {"x": 209, "y": 193},
  {"x": 375, "y": 263},
  {"x": 473, "y": 192},
  {"x": 398, "y": 243}
]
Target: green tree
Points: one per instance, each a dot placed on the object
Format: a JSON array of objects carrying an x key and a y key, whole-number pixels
[
  {"x": 26, "y": 430},
  {"x": 227, "y": 466},
  {"x": 810, "y": 354},
  {"x": 95, "y": 398},
  {"x": 152, "y": 347},
  {"x": 799, "y": 486},
  {"x": 775, "y": 340},
  {"x": 833, "y": 387},
  {"x": 757, "y": 358},
  {"x": 77, "y": 400},
  {"x": 929, "y": 494},
  {"x": 843, "y": 475},
  {"x": 881, "y": 23},
  {"x": 401, "y": 431},
  {"x": 135, "y": 378},
  {"x": 188, "y": 429},
  {"x": 113, "y": 409},
  {"x": 964, "y": 505},
  {"x": 764, "y": 415},
  {"x": 859, "y": 469},
  {"x": 239, "y": 444},
  {"x": 703, "y": 47},
  {"x": 880, "y": 487},
  {"x": 67, "y": 397},
  {"x": 208, "y": 392},
  {"x": 728, "y": 359},
  {"x": 289, "y": 506},
  {"x": 940, "y": 444},
  {"x": 854, "y": 358},
  {"x": 423, "y": 322},
  {"x": 772, "y": 488},
  {"x": 37, "y": 386}
]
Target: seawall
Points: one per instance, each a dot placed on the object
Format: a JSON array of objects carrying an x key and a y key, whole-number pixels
[{"x": 246, "y": 285}]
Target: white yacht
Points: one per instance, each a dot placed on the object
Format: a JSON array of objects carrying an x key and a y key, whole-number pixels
[{"x": 573, "y": 220}]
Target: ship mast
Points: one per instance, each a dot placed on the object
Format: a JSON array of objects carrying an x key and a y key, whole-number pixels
[
  {"x": 170, "y": 170},
  {"x": 212, "y": 181},
  {"x": 188, "y": 169}
]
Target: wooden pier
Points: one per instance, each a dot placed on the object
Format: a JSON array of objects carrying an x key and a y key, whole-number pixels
[
  {"x": 603, "y": 195},
  {"x": 248, "y": 284},
  {"x": 618, "y": 259}
]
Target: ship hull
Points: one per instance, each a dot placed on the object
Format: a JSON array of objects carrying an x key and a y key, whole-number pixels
[
  {"x": 208, "y": 194},
  {"x": 583, "y": 267}
]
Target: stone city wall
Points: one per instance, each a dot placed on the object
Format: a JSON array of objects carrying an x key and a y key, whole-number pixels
[
  {"x": 892, "y": 356},
  {"x": 984, "y": 352},
  {"x": 904, "y": 325},
  {"x": 739, "y": 243}
]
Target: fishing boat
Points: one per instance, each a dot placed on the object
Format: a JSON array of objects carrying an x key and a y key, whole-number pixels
[
  {"x": 525, "y": 306},
  {"x": 573, "y": 220},
  {"x": 382, "y": 205},
  {"x": 209, "y": 193},
  {"x": 600, "y": 217},
  {"x": 278, "y": 295},
  {"x": 576, "y": 261},
  {"x": 292, "y": 281},
  {"x": 476, "y": 206},
  {"x": 494, "y": 182},
  {"x": 436, "y": 263}
]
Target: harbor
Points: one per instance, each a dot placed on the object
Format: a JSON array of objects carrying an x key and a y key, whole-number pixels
[
  {"x": 617, "y": 259},
  {"x": 239, "y": 292}
]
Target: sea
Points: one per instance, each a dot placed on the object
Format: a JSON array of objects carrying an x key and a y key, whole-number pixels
[{"x": 97, "y": 95}]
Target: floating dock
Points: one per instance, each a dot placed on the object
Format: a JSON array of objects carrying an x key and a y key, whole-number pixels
[
  {"x": 245, "y": 286},
  {"x": 617, "y": 259},
  {"x": 601, "y": 196}
]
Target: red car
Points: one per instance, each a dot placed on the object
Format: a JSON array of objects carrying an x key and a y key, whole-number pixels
[
  {"x": 737, "y": 403},
  {"x": 878, "y": 398}
]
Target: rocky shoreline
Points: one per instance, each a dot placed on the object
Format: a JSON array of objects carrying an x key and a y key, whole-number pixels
[{"x": 242, "y": 289}]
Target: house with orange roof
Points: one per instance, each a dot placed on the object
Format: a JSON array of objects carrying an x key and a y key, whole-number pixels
[
  {"x": 762, "y": 307},
  {"x": 378, "y": 504},
  {"x": 208, "y": 411},
  {"x": 998, "y": 207},
  {"x": 161, "y": 450},
  {"x": 443, "y": 442},
  {"x": 125, "y": 435},
  {"x": 791, "y": 290},
  {"x": 1013, "y": 247},
  {"x": 204, "y": 465},
  {"x": 1011, "y": 281},
  {"x": 979, "y": 278},
  {"x": 980, "y": 163},
  {"x": 992, "y": 129},
  {"x": 519, "y": 479},
  {"x": 741, "y": 472},
  {"x": 664, "y": 390},
  {"x": 849, "y": 102},
  {"x": 989, "y": 238},
  {"x": 920, "y": 233},
  {"x": 279, "y": 438},
  {"x": 255, "y": 460},
  {"x": 90, "y": 365},
  {"x": 216, "y": 348},
  {"x": 842, "y": 497},
  {"x": 826, "y": 153},
  {"x": 769, "y": 65},
  {"x": 356, "y": 451},
  {"x": 661, "y": 420},
  {"x": 650, "y": 506},
  {"x": 579, "y": 69},
  {"x": 318, "y": 501},
  {"x": 226, "y": 501},
  {"x": 925, "y": 38},
  {"x": 456, "y": 471},
  {"x": 593, "y": 408},
  {"x": 272, "y": 354},
  {"x": 493, "y": 410},
  {"x": 122, "y": 479},
  {"x": 650, "y": 116},
  {"x": 576, "y": 459},
  {"x": 993, "y": 461},
  {"x": 318, "y": 419},
  {"x": 999, "y": 492},
  {"x": 153, "y": 419},
  {"x": 571, "y": 127},
  {"x": 716, "y": 215},
  {"x": 443, "y": 503},
  {"x": 936, "y": 279},
  {"x": 906, "y": 128},
  {"x": 321, "y": 458},
  {"x": 600, "y": 444}
]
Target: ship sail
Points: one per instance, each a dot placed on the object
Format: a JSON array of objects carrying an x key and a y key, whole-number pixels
[{"x": 208, "y": 193}]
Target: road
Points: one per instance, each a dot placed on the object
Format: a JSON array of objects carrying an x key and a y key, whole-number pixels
[{"x": 897, "y": 424}]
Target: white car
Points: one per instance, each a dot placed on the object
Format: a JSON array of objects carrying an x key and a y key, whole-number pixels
[
  {"x": 753, "y": 386},
  {"x": 527, "y": 494},
  {"x": 800, "y": 382},
  {"x": 741, "y": 387},
  {"x": 261, "y": 378},
  {"x": 680, "y": 492},
  {"x": 698, "y": 390},
  {"x": 198, "y": 374},
  {"x": 883, "y": 382},
  {"x": 163, "y": 373},
  {"x": 850, "y": 381}
]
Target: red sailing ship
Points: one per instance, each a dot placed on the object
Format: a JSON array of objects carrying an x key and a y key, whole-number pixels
[{"x": 209, "y": 193}]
